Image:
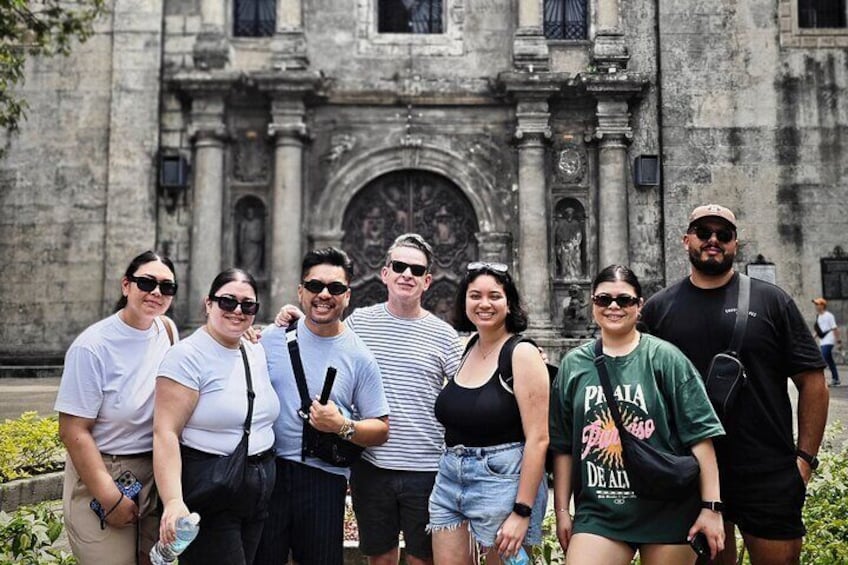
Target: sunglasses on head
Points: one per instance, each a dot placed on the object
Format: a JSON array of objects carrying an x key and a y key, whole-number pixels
[
  {"x": 400, "y": 267},
  {"x": 623, "y": 300},
  {"x": 149, "y": 284},
  {"x": 317, "y": 287},
  {"x": 501, "y": 268},
  {"x": 229, "y": 304},
  {"x": 724, "y": 235}
]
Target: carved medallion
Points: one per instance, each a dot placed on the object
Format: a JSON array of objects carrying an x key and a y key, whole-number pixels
[
  {"x": 251, "y": 158},
  {"x": 571, "y": 164}
]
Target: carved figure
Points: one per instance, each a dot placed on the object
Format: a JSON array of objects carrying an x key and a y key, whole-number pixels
[
  {"x": 574, "y": 307},
  {"x": 251, "y": 241},
  {"x": 568, "y": 239}
]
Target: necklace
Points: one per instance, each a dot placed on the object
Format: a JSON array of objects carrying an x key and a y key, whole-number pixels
[{"x": 485, "y": 354}]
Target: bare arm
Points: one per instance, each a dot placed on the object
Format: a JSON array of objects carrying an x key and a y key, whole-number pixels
[
  {"x": 709, "y": 522},
  {"x": 813, "y": 399},
  {"x": 173, "y": 407},
  {"x": 562, "y": 498},
  {"x": 75, "y": 433},
  {"x": 367, "y": 432}
]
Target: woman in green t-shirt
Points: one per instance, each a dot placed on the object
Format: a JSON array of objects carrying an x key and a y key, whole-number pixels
[{"x": 662, "y": 400}]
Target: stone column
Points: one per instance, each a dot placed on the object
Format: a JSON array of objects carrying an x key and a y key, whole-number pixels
[
  {"x": 211, "y": 46},
  {"x": 208, "y": 133},
  {"x": 288, "y": 46},
  {"x": 529, "y": 46},
  {"x": 533, "y": 134},
  {"x": 289, "y": 131},
  {"x": 609, "y": 52}
]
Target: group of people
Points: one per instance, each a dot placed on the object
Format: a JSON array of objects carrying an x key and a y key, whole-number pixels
[{"x": 455, "y": 454}]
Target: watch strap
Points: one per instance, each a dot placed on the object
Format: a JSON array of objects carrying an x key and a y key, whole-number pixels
[
  {"x": 714, "y": 505},
  {"x": 522, "y": 509},
  {"x": 811, "y": 460}
]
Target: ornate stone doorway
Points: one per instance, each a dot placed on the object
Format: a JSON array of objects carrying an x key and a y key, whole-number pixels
[{"x": 410, "y": 201}]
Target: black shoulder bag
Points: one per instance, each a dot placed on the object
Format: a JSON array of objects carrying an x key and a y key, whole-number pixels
[
  {"x": 726, "y": 376},
  {"x": 327, "y": 447},
  {"x": 210, "y": 482},
  {"x": 653, "y": 474}
]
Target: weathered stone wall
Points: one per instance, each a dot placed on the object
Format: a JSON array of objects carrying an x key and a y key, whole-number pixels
[{"x": 78, "y": 189}]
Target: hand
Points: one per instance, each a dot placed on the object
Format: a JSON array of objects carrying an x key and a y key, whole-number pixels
[
  {"x": 287, "y": 314},
  {"x": 125, "y": 514},
  {"x": 325, "y": 417},
  {"x": 712, "y": 524},
  {"x": 564, "y": 525},
  {"x": 174, "y": 510},
  {"x": 804, "y": 469},
  {"x": 253, "y": 335},
  {"x": 510, "y": 536}
]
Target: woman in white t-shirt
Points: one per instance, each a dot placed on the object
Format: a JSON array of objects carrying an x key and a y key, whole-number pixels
[
  {"x": 105, "y": 406},
  {"x": 201, "y": 408}
]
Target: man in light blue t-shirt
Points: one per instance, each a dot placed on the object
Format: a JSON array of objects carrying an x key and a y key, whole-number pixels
[{"x": 306, "y": 513}]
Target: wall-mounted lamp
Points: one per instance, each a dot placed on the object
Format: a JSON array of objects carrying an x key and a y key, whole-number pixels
[
  {"x": 646, "y": 170},
  {"x": 173, "y": 179}
]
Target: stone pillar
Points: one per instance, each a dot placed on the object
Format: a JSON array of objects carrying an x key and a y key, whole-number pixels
[
  {"x": 609, "y": 52},
  {"x": 533, "y": 133},
  {"x": 495, "y": 247},
  {"x": 529, "y": 46},
  {"x": 288, "y": 46},
  {"x": 613, "y": 134},
  {"x": 289, "y": 131},
  {"x": 208, "y": 133},
  {"x": 211, "y": 46}
]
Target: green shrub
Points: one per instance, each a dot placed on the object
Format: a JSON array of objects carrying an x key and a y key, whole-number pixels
[
  {"x": 27, "y": 536},
  {"x": 28, "y": 446}
]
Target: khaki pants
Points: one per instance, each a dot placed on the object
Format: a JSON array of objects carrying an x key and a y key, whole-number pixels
[{"x": 116, "y": 546}]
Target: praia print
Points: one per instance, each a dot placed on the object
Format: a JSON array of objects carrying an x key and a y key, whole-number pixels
[{"x": 601, "y": 445}]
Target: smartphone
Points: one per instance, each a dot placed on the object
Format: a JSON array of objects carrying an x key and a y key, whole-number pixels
[
  {"x": 699, "y": 544},
  {"x": 127, "y": 484}
]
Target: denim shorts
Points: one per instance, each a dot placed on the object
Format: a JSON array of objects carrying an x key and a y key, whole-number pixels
[{"x": 478, "y": 485}]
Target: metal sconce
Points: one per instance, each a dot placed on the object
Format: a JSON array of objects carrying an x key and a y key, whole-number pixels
[
  {"x": 173, "y": 179},
  {"x": 646, "y": 170}
]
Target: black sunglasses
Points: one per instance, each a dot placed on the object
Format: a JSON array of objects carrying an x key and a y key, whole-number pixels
[
  {"x": 501, "y": 268},
  {"x": 317, "y": 287},
  {"x": 400, "y": 267},
  {"x": 724, "y": 235},
  {"x": 149, "y": 284},
  {"x": 229, "y": 304},
  {"x": 623, "y": 300}
]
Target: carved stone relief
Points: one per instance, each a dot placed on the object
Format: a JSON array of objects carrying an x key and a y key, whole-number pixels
[
  {"x": 571, "y": 164},
  {"x": 251, "y": 157},
  {"x": 250, "y": 235}
]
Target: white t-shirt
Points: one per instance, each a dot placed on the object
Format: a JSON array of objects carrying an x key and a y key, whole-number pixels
[
  {"x": 827, "y": 321},
  {"x": 110, "y": 376},
  {"x": 217, "y": 372}
]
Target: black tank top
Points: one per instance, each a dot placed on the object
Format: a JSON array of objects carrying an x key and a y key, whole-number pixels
[{"x": 479, "y": 417}]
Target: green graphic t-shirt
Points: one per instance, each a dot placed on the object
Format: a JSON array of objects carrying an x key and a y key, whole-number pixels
[{"x": 662, "y": 400}]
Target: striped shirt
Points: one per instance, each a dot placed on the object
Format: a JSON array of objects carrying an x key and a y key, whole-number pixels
[{"x": 415, "y": 358}]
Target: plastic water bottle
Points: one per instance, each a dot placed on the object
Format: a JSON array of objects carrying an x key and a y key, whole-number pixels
[
  {"x": 187, "y": 529},
  {"x": 520, "y": 558}
]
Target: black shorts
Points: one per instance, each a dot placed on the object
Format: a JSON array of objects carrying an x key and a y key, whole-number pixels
[
  {"x": 765, "y": 504},
  {"x": 387, "y": 502}
]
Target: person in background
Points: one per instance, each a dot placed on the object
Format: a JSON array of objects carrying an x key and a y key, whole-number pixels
[
  {"x": 201, "y": 407},
  {"x": 105, "y": 406},
  {"x": 827, "y": 330},
  {"x": 661, "y": 396},
  {"x": 490, "y": 487}
]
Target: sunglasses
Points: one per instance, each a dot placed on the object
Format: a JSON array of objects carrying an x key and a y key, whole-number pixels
[
  {"x": 724, "y": 235},
  {"x": 149, "y": 284},
  {"x": 501, "y": 268},
  {"x": 623, "y": 300},
  {"x": 317, "y": 287},
  {"x": 400, "y": 267},
  {"x": 229, "y": 304}
]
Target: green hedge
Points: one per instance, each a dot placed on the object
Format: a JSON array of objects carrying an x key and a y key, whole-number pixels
[
  {"x": 29, "y": 446},
  {"x": 27, "y": 537}
]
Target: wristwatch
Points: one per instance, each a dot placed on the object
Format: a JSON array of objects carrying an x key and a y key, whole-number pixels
[
  {"x": 347, "y": 430},
  {"x": 522, "y": 509},
  {"x": 714, "y": 505},
  {"x": 811, "y": 460}
]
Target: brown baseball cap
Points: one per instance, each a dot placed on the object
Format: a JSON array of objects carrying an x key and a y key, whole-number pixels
[
  {"x": 820, "y": 301},
  {"x": 713, "y": 211}
]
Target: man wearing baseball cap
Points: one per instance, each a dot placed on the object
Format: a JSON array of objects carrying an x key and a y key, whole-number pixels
[
  {"x": 827, "y": 330},
  {"x": 763, "y": 472}
]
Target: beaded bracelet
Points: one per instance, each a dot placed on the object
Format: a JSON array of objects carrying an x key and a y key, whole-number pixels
[{"x": 103, "y": 519}]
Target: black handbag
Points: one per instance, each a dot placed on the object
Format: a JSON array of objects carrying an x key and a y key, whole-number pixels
[
  {"x": 326, "y": 446},
  {"x": 726, "y": 376},
  {"x": 210, "y": 482},
  {"x": 653, "y": 474}
]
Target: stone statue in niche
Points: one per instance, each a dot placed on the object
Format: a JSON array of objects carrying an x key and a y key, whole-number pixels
[
  {"x": 574, "y": 308},
  {"x": 250, "y": 240},
  {"x": 568, "y": 239}
]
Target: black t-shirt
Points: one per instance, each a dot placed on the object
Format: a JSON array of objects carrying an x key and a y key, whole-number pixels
[{"x": 777, "y": 345}]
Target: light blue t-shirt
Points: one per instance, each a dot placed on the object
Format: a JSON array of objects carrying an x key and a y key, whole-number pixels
[{"x": 358, "y": 388}]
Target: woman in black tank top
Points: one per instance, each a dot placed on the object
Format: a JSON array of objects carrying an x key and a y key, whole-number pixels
[{"x": 490, "y": 485}]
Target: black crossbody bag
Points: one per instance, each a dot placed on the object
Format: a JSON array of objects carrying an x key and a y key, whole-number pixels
[
  {"x": 326, "y": 446},
  {"x": 726, "y": 376},
  {"x": 654, "y": 474}
]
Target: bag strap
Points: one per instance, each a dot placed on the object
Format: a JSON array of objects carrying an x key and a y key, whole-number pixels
[
  {"x": 300, "y": 379},
  {"x": 601, "y": 366},
  {"x": 742, "y": 303},
  {"x": 250, "y": 394},
  {"x": 168, "y": 328}
]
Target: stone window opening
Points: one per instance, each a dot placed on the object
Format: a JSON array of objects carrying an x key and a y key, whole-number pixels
[
  {"x": 409, "y": 16},
  {"x": 821, "y": 14},
  {"x": 566, "y": 19},
  {"x": 254, "y": 18}
]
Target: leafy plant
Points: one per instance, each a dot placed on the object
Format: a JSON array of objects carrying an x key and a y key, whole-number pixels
[
  {"x": 28, "y": 446},
  {"x": 27, "y": 536}
]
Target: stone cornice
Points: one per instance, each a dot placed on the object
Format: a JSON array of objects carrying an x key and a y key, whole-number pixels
[
  {"x": 294, "y": 83},
  {"x": 625, "y": 84},
  {"x": 530, "y": 84}
]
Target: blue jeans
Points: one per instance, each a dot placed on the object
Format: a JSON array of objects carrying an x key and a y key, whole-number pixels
[
  {"x": 827, "y": 353},
  {"x": 478, "y": 485}
]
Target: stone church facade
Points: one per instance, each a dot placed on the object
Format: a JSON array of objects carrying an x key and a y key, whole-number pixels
[{"x": 558, "y": 136}]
